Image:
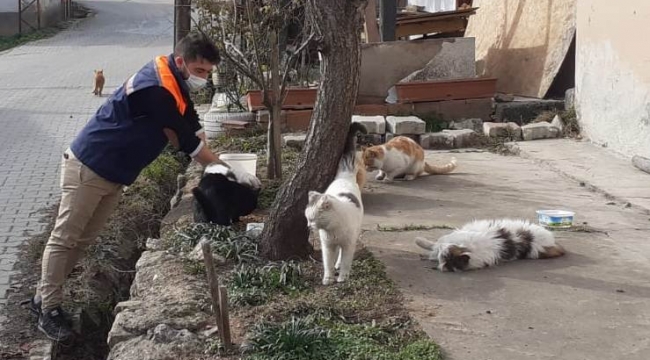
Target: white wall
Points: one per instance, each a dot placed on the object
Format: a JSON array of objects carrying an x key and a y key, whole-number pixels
[{"x": 613, "y": 74}]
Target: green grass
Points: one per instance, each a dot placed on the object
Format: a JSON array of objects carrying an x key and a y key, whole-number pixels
[
  {"x": 412, "y": 227},
  {"x": 251, "y": 285},
  {"x": 225, "y": 241},
  {"x": 8, "y": 42},
  {"x": 319, "y": 338}
]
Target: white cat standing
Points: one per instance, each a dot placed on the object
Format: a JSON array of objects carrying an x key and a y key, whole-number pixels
[{"x": 337, "y": 214}]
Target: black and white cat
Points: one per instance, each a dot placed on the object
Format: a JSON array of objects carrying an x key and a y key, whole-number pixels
[
  {"x": 220, "y": 199},
  {"x": 484, "y": 243},
  {"x": 337, "y": 214}
]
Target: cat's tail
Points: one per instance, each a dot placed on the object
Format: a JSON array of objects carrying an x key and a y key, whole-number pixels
[
  {"x": 424, "y": 243},
  {"x": 442, "y": 169},
  {"x": 347, "y": 164},
  {"x": 203, "y": 209}
]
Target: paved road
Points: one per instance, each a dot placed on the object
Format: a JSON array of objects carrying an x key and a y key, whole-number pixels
[
  {"x": 593, "y": 303},
  {"x": 45, "y": 98}
]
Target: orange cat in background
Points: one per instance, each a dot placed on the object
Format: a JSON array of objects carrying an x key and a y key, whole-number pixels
[
  {"x": 401, "y": 156},
  {"x": 360, "y": 170},
  {"x": 99, "y": 82}
]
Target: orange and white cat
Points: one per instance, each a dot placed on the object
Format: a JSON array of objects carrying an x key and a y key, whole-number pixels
[
  {"x": 99, "y": 82},
  {"x": 401, "y": 157},
  {"x": 360, "y": 170}
]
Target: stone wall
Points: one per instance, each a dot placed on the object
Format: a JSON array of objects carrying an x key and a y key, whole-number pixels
[{"x": 168, "y": 309}]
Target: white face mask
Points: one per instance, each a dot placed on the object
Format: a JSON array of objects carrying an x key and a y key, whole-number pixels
[{"x": 194, "y": 82}]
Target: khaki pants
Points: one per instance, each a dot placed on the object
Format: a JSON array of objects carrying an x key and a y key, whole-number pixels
[{"x": 87, "y": 201}]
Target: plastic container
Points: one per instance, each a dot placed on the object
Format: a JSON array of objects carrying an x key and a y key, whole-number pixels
[
  {"x": 557, "y": 219},
  {"x": 244, "y": 162}
]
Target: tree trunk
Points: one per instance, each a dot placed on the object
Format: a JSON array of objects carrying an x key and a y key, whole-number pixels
[
  {"x": 337, "y": 24},
  {"x": 274, "y": 135}
]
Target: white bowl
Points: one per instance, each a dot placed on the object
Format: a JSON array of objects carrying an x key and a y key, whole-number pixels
[{"x": 557, "y": 219}]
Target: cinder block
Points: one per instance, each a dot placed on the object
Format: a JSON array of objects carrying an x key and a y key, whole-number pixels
[
  {"x": 463, "y": 138},
  {"x": 437, "y": 141},
  {"x": 296, "y": 141},
  {"x": 405, "y": 125},
  {"x": 510, "y": 129},
  {"x": 540, "y": 130}
]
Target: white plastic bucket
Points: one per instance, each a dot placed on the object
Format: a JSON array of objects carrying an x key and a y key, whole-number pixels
[{"x": 244, "y": 162}]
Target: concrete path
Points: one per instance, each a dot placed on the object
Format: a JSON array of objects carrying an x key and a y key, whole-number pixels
[
  {"x": 594, "y": 303},
  {"x": 45, "y": 98}
]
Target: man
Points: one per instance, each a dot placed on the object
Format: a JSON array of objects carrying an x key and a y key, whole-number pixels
[{"x": 125, "y": 135}]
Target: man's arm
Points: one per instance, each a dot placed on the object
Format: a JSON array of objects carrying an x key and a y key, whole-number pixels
[
  {"x": 192, "y": 118},
  {"x": 206, "y": 157},
  {"x": 160, "y": 106}
]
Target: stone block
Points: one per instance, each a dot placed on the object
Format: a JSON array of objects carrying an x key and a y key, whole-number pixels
[
  {"x": 523, "y": 112},
  {"x": 403, "y": 125},
  {"x": 437, "y": 141},
  {"x": 373, "y": 124},
  {"x": 472, "y": 124},
  {"x": 462, "y": 138},
  {"x": 540, "y": 130},
  {"x": 254, "y": 229},
  {"x": 511, "y": 130},
  {"x": 296, "y": 141}
]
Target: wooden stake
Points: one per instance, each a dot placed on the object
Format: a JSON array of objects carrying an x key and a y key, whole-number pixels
[
  {"x": 215, "y": 294},
  {"x": 225, "y": 317}
]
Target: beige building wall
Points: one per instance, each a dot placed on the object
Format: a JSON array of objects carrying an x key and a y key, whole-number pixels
[{"x": 613, "y": 74}]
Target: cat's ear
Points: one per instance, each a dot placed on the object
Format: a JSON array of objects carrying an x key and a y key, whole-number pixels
[
  {"x": 313, "y": 196},
  {"x": 326, "y": 202},
  {"x": 364, "y": 147}
]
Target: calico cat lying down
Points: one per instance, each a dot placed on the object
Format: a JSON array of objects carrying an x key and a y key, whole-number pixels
[
  {"x": 484, "y": 243},
  {"x": 220, "y": 199}
]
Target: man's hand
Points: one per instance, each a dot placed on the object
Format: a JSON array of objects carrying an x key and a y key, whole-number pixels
[
  {"x": 205, "y": 157},
  {"x": 247, "y": 179}
]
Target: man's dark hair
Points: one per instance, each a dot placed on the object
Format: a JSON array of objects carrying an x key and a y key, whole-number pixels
[{"x": 196, "y": 46}]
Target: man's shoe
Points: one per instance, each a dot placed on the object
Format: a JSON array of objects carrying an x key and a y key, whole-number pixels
[{"x": 54, "y": 325}]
